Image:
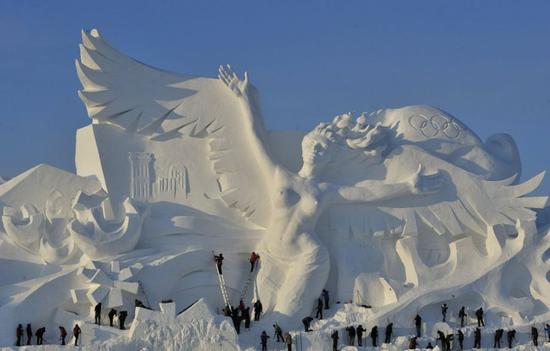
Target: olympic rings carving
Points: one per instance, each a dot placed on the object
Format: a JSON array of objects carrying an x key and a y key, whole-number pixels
[{"x": 435, "y": 125}]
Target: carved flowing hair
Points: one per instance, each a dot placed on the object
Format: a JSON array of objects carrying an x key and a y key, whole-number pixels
[{"x": 354, "y": 141}]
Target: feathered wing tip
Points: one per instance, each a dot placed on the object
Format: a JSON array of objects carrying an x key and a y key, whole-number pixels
[{"x": 482, "y": 204}]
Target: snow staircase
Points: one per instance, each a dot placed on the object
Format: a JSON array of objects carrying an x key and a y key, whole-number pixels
[
  {"x": 247, "y": 285},
  {"x": 223, "y": 288}
]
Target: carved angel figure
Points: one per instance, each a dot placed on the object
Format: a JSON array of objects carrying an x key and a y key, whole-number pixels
[{"x": 419, "y": 167}]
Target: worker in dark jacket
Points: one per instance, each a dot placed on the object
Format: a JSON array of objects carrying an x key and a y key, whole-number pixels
[
  {"x": 374, "y": 336},
  {"x": 477, "y": 338},
  {"x": 334, "y": 336},
  {"x": 325, "y": 298},
  {"x": 307, "y": 322},
  {"x": 441, "y": 338},
  {"x": 418, "y": 324},
  {"x": 97, "y": 317},
  {"x": 278, "y": 332},
  {"x": 18, "y": 335},
  {"x": 444, "y": 309},
  {"x": 389, "y": 332},
  {"x": 121, "y": 318},
  {"x": 263, "y": 340},
  {"x": 535, "y": 335},
  {"x": 510, "y": 335},
  {"x": 359, "y": 331},
  {"x": 412, "y": 343},
  {"x": 498, "y": 336},
  {"x": 319, "y": 313},
  {"x": 62, "y": 335},
  {"x": 257, "y": 310},
  {"x": 219, "y": 262},
  {"x": 479, "y": 315},
  {"x": 460, "y": 335},
  {"x": 351, "y": 335},
  {"x": 111, "y": 315},
  {"x": 246, "y": 317},
  {"x": 40, "y": 335},
  {"x": 462, "y": 314},
  {"x": 76, "y": 333},
  {"x": 29, "y": 334}
]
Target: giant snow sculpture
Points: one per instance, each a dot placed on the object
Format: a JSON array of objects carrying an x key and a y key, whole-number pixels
[{"x": 375, "y": 208}]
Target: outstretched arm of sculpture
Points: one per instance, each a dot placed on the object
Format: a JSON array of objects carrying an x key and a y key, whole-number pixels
[
  {"x": 375, "y": 190},
  {"x": 253, "y": 120}
]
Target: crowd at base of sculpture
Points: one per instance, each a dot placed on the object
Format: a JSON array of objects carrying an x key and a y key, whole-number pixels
[{"x": 393, "y": 213}]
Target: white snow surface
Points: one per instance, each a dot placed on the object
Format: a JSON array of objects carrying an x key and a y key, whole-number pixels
[{"x": 400, "y": 209}]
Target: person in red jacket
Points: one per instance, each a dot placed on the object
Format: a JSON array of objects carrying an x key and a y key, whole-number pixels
[{"x": 253, "y": 258}]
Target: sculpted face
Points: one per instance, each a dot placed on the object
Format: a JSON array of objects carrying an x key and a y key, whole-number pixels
[{"x": 316, "y": 152}]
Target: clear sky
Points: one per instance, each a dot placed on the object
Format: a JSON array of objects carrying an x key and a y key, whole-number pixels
[{"x": 486, "y": 62}]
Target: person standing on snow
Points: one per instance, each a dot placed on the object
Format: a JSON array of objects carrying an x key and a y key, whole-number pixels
[
  {"x": 374, "y": 335},
  {"x": 389, "y": 332},
  {"x": 418, "y": 324},
  {"x": 278, "y": 332},
  {"x": 29, "y": 334},
  {"x": 307, "y": 322},
  {"x": 510, "y": 335},
  {"x": 111, "y": 315},
  {"x": 263, "y": 340},
  {"x": 257, "y": 310},
  {"x": 477, "y": 338},
  {"x": 18, "y": 335},
  {"x": 76, "y": 333},
  {"x": 462, "y": 314},
  {"x": 359, "y": 331},
  {"x": 444, "y": 309},
  {"x": 319, "y": 313},
  {"x": 325, "y": 297},
  {"x": 334, "y": 336},
  {"x": 535, "y": 336},
  {"x": 288, "y": 341},
  {"x": 62, "y": 335},
  {"x": 479, "y": 315},
  {"x": 97, "y": 316},
  {"x": 460, "y": 339}
]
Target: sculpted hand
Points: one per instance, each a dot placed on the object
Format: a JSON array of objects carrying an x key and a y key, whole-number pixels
[
  {"x": 233, "y": 82},
  {"x": 425, "y": 184}
]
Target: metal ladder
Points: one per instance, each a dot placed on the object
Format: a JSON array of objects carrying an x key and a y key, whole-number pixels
[{"x": 223, "y": 289}]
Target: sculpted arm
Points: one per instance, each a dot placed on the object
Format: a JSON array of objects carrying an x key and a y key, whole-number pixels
[
  {"x": 377, "y": 190},
  {"x": 253, "y": 120}
]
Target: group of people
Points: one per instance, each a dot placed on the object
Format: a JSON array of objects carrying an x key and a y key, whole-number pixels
[
  {"x": 242, "y": 313},
  {"x": 285, "y": 338},
  {"x": 122, "y": 315},
  {"x": 40, "y": 335}
]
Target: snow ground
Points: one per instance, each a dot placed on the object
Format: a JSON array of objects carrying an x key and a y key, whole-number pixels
[{"x": 199, "y": 328}]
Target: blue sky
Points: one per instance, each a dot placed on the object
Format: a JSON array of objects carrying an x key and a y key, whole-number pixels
[{"x": 486, "y": 62}]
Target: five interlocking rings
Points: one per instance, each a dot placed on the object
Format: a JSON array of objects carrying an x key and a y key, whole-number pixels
[{"x": 435, "y": 124}]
